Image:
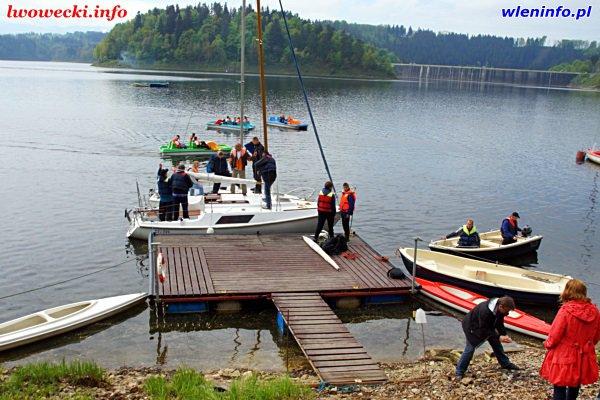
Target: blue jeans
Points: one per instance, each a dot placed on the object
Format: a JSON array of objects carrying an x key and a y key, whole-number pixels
[
  {"x": 467, "y": 355},
  {"x": 268, "y": 178}
]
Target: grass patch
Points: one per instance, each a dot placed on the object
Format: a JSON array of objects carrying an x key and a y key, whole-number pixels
[
  {"x": 41, "y": 380},
  {"x": 189, "y": 384}
]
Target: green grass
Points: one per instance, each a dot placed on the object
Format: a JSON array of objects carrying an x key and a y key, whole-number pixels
[
  {"x": 41, "y": 380},
  {"x": 189, "y": 384}
]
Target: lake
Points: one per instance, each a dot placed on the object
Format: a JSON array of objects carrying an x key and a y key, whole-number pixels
[{"x": 74, "y": 140}]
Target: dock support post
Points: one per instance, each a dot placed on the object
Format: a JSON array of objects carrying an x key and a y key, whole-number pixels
[
  {"x": 414, "y": 269},
  {"x": 153, "y": 281}
]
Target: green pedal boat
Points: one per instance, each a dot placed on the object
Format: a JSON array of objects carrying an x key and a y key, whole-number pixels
[{"x": 192, "y": 150}]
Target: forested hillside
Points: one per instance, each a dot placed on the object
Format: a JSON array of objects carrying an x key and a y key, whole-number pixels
[
  {"x": 77, "y": 46},
  {"x": 208, "y": 37},
  {"x": 428, "y": 47},
  {"x": 589, "y": 65}
]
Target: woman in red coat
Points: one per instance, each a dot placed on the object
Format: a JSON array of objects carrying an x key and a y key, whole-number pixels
[{"x": 571, "y": 358}]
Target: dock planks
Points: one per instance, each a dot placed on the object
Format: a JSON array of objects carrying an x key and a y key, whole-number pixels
[
  {"x": 336, "y": 356},
  {"x": 258, "y": 265}
]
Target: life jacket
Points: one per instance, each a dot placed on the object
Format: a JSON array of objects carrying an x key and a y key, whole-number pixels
[
  {"x": 238, "y": 163},
  {"x": 467, "y": 238},
  {"x": 344, "y": 203},
  {"x": 325, "y": 202}
]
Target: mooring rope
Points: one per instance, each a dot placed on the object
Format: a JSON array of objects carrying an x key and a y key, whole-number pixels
[
  {"x": 67, "y": 280},
  {"x": 312, "y": 120}
]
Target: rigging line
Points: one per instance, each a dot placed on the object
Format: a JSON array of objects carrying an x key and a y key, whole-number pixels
[
  {"x": 68, "y": 280},
  {"x": 312, "y": 120}
]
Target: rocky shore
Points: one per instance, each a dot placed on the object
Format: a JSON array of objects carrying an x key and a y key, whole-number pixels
[{"x": 429, "y": 378}]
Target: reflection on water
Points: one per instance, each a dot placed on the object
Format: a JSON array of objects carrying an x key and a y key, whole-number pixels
[
  {"x": 74, "y": 140},
  {"x": 589, "y": 221}
]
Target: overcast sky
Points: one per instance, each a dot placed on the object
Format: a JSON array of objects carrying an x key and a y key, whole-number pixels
[{"x": 464, "y": 16}]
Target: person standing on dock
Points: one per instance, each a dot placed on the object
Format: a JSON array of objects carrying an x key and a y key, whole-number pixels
[
  {"x": 267, "y": 170},
  {"x": 238, "y": 160},
  {"x": 326, "y": 209},
  {"x": 256, "y": 150},
  {"x": 510, "y": 228},
  {"x": 347, "y": 202},
  {"x": 468, "y": 236},
  {"x": 218, "y": 166},
  {"x": 486, "y": 322},
  {"x": 181, "y": 183},
  {"x": 575, "y": 331},
  {"x": 165, "y": 191}
]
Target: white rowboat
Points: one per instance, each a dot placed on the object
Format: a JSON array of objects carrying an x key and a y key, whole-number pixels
[
  {"x": 57, "y": 320},
  {"x": 486, "y": 278}
]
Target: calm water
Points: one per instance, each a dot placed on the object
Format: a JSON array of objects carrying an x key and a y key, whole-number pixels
[{"x": 74, "y": 140}]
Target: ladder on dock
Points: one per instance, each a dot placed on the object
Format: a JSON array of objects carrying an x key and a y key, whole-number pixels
[{"x": 336, "y": 356}]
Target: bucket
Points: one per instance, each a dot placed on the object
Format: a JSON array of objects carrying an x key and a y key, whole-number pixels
[{"x": 580, "y": 157}]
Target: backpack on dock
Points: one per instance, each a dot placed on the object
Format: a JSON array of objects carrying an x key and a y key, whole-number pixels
[{"x": 335, "y": 245}]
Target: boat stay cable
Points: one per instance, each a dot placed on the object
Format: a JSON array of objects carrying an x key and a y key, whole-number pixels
[{"x": 312, "y": 120}]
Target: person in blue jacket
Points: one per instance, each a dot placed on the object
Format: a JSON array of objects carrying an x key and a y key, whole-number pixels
[
  {"x": 218, "y": 166},
  {"x": 510, "y": 228},
  {"x": 165, "y": 205},
  {"x": 468, "y": 235}
]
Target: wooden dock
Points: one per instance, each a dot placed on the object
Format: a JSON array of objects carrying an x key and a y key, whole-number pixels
[
  {"x": 283, "y": 268},
  {"x": 336, "y": 356}
]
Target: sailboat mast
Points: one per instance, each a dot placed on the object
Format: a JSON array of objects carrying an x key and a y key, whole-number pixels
[
  {"x": 242, "y": 62},
  {"x": 261, "y": 65}
]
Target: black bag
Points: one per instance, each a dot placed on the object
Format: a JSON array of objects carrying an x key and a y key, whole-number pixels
[
  {"x": 396, "y": 273},
  {"x": 335, "y": 245}
]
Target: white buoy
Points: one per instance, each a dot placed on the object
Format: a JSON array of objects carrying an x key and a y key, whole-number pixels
[
  {"x": 421, "y": 319},
  {"x": 210, "y": 230}
]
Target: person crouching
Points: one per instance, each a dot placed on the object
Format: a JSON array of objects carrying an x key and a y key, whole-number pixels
[{"x": 486, "y": 322}]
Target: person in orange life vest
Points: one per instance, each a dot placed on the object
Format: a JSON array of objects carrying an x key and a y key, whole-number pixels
[
  {"x": 238, "y": 160},
  {"x": 326, "y": 210},
  {"x": 510, "y": 228},
  {"x": 347, "y": 201}
]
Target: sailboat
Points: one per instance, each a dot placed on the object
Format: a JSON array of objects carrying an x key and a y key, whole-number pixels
[{"x": 225, "y": 212}]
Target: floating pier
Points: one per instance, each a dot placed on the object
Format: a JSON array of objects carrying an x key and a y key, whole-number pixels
[{"x": 282, "y": 268}]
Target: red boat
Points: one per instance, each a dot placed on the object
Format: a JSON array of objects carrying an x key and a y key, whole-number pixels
[
  {"x": 594, "y": 155},
  {"x": 464, "y": 300}
]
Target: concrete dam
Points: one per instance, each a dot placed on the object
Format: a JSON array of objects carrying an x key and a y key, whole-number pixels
[{"x": 484, "y": 75}]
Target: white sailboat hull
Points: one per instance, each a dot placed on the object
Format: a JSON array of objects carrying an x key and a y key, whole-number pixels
[
  {"x": 58, "y": 320},
  {"x": 278, "y": 222}
]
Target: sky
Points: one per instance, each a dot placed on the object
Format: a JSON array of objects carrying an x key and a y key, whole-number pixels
[{"x": 462, "y": 16}]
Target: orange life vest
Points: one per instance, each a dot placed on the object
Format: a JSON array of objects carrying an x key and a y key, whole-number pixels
[
  {"x": 238, "y": 163},
  {"x": 344, "y": 204}
]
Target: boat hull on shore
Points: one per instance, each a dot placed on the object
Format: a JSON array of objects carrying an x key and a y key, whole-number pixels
[
  {"x": 491, "y": 247},
  {"x": 464, "y": 301},
  {"x": 488, "y": 279},
  {"x": 58, "y": 320}
]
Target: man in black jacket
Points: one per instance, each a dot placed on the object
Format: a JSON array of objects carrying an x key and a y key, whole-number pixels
[
  {"x": 218, "y": 166},
  {"x": 486, "y": 322},
  {"x": 181, "y": 184}
]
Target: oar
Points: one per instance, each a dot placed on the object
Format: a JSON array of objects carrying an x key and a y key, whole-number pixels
[{"x": 311, "y": 243}]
